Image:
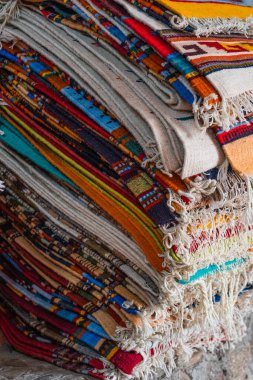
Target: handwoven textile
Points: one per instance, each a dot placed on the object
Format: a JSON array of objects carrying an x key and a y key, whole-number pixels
[
  {"x": 162, "y": 123},
  {"x": 126, "y": 192},
  {"x": 202, "y": 18},
  {"x": 219, "y": 103},
  {"x": 214, "y": 101}
]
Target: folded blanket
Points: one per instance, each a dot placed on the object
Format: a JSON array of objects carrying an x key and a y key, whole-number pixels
[
  {"x": 170, "y": 133},
  {"x": 220, "y": 103},
  {"x": 126, "y": 210},
  {"x": 203, "y": 18}
]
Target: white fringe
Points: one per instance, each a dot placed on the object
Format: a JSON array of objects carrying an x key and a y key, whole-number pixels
[
  {"x": 154, "y": 157},
  {"x": 208, "y": 26},
  {"x": 225, "y": 114},
  {"x": 173, "y": 328},
  {"x": 230, "y": 204},
  {"x": 9, "y": 9},
  {"x": 2, "y": 186},
  {"x": 248, "y": 217},
  {"x": 177, "y": 329},
  {"x": 200, "y": 187}
]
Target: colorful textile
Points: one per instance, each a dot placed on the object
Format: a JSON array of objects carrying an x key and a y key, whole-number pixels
[
  {"x": 219, "y": 104},
  {"x": 126, "y": 227},
  {"x": 202, "y": 18}
]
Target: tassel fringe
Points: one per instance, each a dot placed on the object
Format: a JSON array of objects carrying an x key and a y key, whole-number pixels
[
  {"x": 188, "y": 319},
  {"x": 229, "y": 213},
  {"x": 228, "y": 113},
  {"x": 9, "y": 9},
  {"x": 209, "y": 26}
]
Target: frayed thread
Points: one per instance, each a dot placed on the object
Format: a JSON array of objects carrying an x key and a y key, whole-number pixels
[
  {"x": 200, "y": 187},
  {"x": 2, "y": 186},
  {"x": 188, "y": 319},
  {"x": 9, "y": 9},
  {"x": 211, "y": 26},
  {"x": 154, "y": 158},
  {"x": 248, "y": 217},
  {"x": 224, "y": 224},
  {"x": 229, "y": 112}
]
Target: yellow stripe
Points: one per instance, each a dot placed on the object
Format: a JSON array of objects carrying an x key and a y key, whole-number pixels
[
  {"x": 112, "y": 194},
  {"x": 201, "y": 10},
  {"x": 112, "y": 353}
]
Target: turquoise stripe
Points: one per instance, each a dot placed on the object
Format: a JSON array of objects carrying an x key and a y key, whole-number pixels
[
  {"x": 15, "y": 140},
  {"x": 212, "y": 269}
]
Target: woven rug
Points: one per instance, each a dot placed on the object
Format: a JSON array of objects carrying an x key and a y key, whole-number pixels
[{"x": 126, "y": 182}]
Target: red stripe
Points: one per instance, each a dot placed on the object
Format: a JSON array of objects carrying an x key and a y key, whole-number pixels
[{"x": 235, "y": 133}]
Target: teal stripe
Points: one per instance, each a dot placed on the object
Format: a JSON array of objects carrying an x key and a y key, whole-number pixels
[
  {"x": 185, "y": 118},
  {"x": 212, "y": 269},
  {"x": 15, "y": 140}
]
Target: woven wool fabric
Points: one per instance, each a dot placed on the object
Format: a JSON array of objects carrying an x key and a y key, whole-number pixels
[
  {"x": 203, "y": 9},
  {"x": 126, "y": 212},
  {"x": 169, "y": 136},
  {"x": 222, "y": 106},
  {"x": 221, "y": 103},
  {"x": 202, "y": 18}
]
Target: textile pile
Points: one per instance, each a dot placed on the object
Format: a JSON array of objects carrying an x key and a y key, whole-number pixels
[{"x": 126, "y": 181}]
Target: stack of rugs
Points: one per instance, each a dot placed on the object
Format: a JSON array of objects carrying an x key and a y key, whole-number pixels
[{"x": 126, "y": 163}]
